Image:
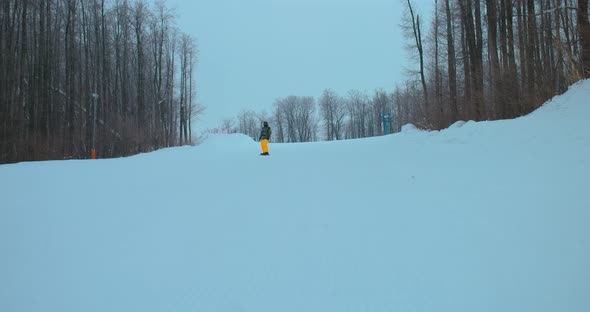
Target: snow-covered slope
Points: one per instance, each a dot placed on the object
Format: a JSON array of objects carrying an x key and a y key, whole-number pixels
[{"x": 490, "y": 216}]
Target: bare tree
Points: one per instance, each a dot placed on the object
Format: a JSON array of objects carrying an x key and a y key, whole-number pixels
[
  {"x": 295, "y": 118},
  {"x": 228, "y": 126},
  {"x": 473, "y": 50},
  {"x": 279, "y": 122},
  {"x": 305, "y": 121},
  {"x": 249, "y": 124},
  {"x": 187, "y": 60},
  {"x": 492, "y": 22},
  {"x": 160, "y": 23},
  {"x": 333, "y": 114},
  {"x": 434, "y": 66},
  {"x": 139, "y": 19},
  {"x": 531, "y": 46},
  {"x": 412, "y": 29},
  {"x": 357, "y": 105},
  {"x": 451, "y": 63},
  {"x": 584, "y": 27}
]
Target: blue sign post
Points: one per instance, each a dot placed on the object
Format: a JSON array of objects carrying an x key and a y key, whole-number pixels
[{"x": 386, "y": 119}]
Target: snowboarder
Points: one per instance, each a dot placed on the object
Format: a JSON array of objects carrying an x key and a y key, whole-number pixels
[{"x": 264, "y": 137}]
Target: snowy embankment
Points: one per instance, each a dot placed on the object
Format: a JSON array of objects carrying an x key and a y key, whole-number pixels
[{"x": 490, "y": 216}]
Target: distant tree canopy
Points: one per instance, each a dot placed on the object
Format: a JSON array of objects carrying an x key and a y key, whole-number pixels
[
  {"x": 479, "y": 60},
  {"x": 78, "y": 74}
]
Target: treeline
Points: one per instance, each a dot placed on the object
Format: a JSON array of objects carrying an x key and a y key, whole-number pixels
[
  {"x": 332, "y": 117},
  {"x": 479, "y": 60},
  {"x": 113, "y": 75}
]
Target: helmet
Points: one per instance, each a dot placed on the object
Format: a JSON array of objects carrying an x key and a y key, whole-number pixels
[{"x": 265, "y": 124}]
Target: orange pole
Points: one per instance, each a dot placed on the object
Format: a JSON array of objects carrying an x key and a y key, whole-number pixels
[{"x": 93, "y": 153}]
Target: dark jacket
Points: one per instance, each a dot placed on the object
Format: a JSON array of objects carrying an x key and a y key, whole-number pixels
[{"x": 265, "y": 133}]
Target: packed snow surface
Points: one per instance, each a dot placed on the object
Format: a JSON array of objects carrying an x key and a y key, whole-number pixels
[{"x": 488, "y": 216}]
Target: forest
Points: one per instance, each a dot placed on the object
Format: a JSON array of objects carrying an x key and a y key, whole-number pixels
[
  {"x": 114, "y": 77},
  {"x": 475, "y": 60}
]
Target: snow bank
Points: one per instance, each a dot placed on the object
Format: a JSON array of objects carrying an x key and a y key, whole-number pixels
[
  {"x": 457, "y": 124},
  {"x": 410, "y": 128}
]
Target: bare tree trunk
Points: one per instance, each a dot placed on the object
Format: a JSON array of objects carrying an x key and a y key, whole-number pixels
[
  {"x": 22, "y": 69},
  {"x": 561, "y": 62},
  {"x": 452, "y": 67},
  {"x": 584, "y": 26},
  {"x": 139, "y": 20},
  {"x": 438, "y": 102},
  {"x": 472, "y": 32},
  {"x": 467, "y": 81},
  {"x": 511, "y": 76},
  {"x": 418, "y": 38},
  {"x": 70, "y": 78},
  {"x": 531, "y": 51},
  {"x": 522, "y": 39},
  {"x": 105, "y": 98},
  {"x": 479, "y": 103},
  {"x": 42, "y": 72},
  {"x": 190, "y": 93},
  {"x": 493, "y": 55},
  {"x": 182, "y": 91}
]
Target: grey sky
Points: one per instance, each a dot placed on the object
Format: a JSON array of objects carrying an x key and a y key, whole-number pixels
[{"x": 254, "y": 51}]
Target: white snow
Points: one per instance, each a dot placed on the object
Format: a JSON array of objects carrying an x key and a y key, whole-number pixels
[{"x": 488, "y": 216}]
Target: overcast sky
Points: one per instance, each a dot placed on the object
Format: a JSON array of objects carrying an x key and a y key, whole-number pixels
[{"x": 254, "y": 51}]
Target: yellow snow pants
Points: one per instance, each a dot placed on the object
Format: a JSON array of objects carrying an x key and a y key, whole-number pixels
[{"x": 264, "y": 145}]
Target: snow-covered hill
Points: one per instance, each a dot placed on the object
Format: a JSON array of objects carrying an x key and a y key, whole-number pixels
[{"x": 489, "y": 216}]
